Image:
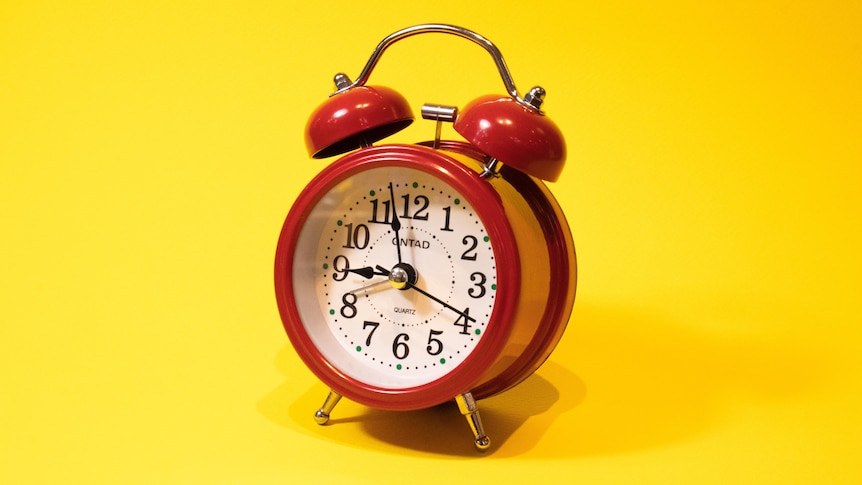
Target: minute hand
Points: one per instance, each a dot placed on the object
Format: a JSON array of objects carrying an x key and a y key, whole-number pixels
[
  {"x": 411, "y": 285},
  {"x": 396, "y": 224},
  {"x": 446, "y": 305}
]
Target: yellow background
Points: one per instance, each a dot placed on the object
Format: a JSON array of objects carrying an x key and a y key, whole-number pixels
[{"x": 149, "y": 152}]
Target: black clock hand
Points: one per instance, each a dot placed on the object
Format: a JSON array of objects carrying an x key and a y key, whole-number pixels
[
  {"x": 396, "y": 224},
  {"x": 405, "y": 278},
  {"x": 464, "y": 314},
  {"x": 367, "y": 272}
]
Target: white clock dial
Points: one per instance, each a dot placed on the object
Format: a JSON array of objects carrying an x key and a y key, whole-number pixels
[{"x": 395, "y": 277}]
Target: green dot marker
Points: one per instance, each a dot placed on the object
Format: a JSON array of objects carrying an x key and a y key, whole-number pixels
[
  {"x": 359, "y": 348},
  {"x": 457, "y": 201},
  {"x": 340, "y": 222},
  {"x": 494, "y": 287},
  {"x": 442, "y": 361},
  {"x": 478, "y": 331},
  {"x": 372, "y": 193},
  {"x": 415, "y": 184},
  {"x": 398, "y": 366},
  {"x": 332, "y": 312},
  {"x": 325, "y": 266},
  {"x": 487, "y": 238}
]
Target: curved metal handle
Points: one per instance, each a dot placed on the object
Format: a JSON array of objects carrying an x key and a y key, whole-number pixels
[{"x": 532, "y": 100}]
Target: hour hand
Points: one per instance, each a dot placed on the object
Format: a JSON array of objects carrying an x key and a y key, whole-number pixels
[{"x": 367, "y": 272}]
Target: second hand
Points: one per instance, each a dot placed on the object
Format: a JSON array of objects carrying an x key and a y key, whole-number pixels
[{"x": 368, "y": 287}]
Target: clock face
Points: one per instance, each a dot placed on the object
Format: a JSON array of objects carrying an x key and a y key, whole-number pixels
[{"x": 395, "y": 275}]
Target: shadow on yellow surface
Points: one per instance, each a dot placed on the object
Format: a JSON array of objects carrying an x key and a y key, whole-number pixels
[
  {"x": 631, "y": 382},
  {"x": 439, "y": 430}
]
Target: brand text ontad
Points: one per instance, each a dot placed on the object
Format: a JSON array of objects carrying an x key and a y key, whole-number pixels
[{"x": 411, "y": 243}]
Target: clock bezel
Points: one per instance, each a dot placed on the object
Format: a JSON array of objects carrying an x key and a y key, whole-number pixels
[{"x": 487, "y": 206}]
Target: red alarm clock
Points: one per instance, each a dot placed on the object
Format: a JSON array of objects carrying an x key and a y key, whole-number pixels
[{"x": 411, "y": 275}]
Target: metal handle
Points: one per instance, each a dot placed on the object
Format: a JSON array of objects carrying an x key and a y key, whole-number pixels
[{"x": 532, "y": 100}]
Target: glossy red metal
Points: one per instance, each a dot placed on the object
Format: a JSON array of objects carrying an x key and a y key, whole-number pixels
[
  {"x": 518, "y": 136},
  {"x": 488, "y": 206},
  {"x": 357, "y": 117}
]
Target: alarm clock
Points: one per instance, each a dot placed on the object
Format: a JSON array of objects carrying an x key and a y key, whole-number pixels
[{"x": 409, "y": 275}]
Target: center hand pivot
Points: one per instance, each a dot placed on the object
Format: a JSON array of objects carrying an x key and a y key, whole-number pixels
[{"x": 403, "y": 276}]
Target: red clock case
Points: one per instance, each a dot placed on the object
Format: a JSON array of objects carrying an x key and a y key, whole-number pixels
[{"x": 536, "y": 274}]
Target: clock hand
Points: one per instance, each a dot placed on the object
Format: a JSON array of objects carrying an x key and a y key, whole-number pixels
[
  {"x": 368, "y": 287},
  {"x": 396, "y": 224},
  {"x": 367, "y": 272},
  {"x": 404, "y": 277},
  {"x": 464, "y": 314}
]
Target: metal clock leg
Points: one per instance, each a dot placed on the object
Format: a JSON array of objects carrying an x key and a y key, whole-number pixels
[
  {"x": 322, "y": 414},
  {"x": 467, "y": 406}
]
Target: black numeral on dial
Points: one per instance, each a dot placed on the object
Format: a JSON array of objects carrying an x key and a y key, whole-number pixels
[
  {"x": 419, "y": 214},
  {"x": 446, "y": 224},
  {"x": 348, "y": 310},
  {"x": 375, "y": 218},
  {"x": 373, "y": 326},
  {"x": 472, "y": 243},
  {"x": 357, "y": 238},
  {"x": 399, "y": 347},
  {"x": 463, "y": 321},
  {"x": 478, "y": 288},
  {"x": 340, "y": 264},
  {"x": 435, "y": 346}
]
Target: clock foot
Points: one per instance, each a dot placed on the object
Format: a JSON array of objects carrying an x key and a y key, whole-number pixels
[
  {"x": 322, "y": 415},
  {"x": 467, "y": 406}
]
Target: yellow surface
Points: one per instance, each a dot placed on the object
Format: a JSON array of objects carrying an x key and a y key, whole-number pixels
[{"x": 150, "y": 150}]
